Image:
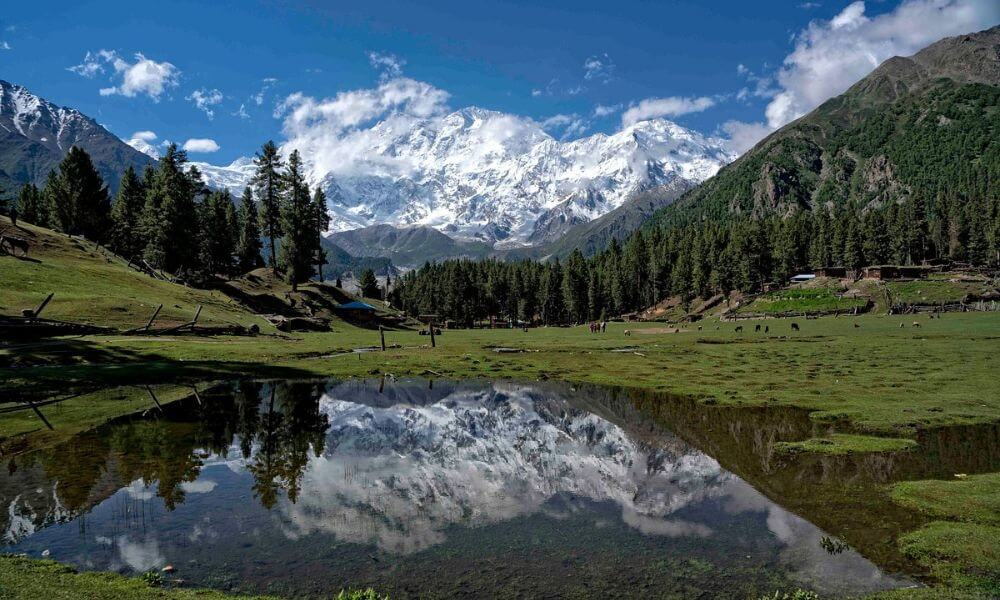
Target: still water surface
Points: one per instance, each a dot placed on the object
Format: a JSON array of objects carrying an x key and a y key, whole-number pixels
[{"x": 463, "y": 489}]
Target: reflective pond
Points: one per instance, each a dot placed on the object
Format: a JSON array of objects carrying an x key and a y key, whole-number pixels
[{"x": 470, "y": 489}]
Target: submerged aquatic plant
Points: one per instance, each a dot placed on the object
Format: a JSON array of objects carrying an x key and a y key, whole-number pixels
[
  {"x": 368, "y": 594},
  {"x": 798, "y": 594},
  {"x": 833, "y": 545},
  {"x": 153, "y": 578}
]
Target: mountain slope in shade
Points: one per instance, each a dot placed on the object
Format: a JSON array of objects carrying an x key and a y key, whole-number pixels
[
  {"x": 36, "y": 134},
  {"x": 913, "y": 128},
  {"x": 594, "y": 236},
  {"x": 483, "y": 175},
  {"x": 406, "y": 246}
]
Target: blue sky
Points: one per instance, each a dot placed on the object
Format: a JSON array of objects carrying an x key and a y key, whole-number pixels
[{"x": 725, "y": 67}]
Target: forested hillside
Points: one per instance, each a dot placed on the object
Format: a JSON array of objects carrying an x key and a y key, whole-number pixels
[{"x": 902, "y": 168}]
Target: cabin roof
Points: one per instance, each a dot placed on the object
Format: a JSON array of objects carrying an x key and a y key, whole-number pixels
[{"x": 356, "y": 305}]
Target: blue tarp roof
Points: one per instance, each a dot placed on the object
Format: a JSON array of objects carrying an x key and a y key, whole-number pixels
[{"x": 356, "y": 305}]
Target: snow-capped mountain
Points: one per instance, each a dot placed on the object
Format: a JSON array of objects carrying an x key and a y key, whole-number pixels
[
  {"x": 35, "y": 135},
  {"x": 487, "y": 175},
  {"x": 233, "y": 177}
]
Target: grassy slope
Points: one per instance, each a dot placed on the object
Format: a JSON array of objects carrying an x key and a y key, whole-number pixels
[{"x": 97, "y": 288}]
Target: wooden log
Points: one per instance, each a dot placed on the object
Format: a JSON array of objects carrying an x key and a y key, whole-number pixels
[
  {"x": 196, "y": 314},
  {"x": 42, "y": 306},
  {"x": 156, "y": 312}
]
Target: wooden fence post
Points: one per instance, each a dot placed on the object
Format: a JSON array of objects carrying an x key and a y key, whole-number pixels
[
  {"x": 381, "y": 335},
  {"x": 431, "y": 325}
]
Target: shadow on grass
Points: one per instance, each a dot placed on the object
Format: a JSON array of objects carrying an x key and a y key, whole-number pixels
[{"x": 64, "y": 364}]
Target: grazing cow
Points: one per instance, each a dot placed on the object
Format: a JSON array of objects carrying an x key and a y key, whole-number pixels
[
  {"x": 757, "y": 328},
  {"x": 739, "y": 329},
  {"x": 628, "y": 333},
  {"x": 915, "y": 324},
  {"x": 767, "y": 328},
  {"x": 856, "y": 326},
  {"x": 699, "y": 328},
  {"x": 901, "y": 325},
  {"x": 13, "y": 243},
  {"x": 795, "y": 326}
]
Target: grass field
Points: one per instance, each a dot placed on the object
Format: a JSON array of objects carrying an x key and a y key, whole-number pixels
[{"x": 802, "y": 300}]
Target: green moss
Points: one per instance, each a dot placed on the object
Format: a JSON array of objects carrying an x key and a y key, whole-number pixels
[
  {"x": 22, "y": 577},
  {"x": 972, "y": 499},
  {"x": 963, "y": 555},
  {"x": 845, "y": 443}
]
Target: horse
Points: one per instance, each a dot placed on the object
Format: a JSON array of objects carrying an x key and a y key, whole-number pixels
[
  {"x": 757, "y": 328},
  {"x": 739, "y": 329},
  {"x": 628, "y": 333},
  {"x": 795, "y": 326}
]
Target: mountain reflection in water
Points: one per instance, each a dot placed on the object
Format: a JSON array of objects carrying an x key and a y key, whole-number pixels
[{"x": 460, "y": 489}]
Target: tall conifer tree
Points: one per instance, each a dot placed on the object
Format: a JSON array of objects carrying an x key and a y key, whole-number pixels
[
  {"x": 270, "y": 184},
  {"x": 249, "y": 246}
]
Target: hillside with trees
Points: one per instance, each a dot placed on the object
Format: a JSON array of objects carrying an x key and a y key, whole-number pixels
[
  {"x": 902, "y": 168},
  {"x": 167, "y": 220}
]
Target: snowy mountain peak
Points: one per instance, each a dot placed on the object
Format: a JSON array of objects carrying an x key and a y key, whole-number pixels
[
  {"x": 481, "y": 174},
  {"x": 36, "y": 135},
  {"x": 37, "y": 119}
]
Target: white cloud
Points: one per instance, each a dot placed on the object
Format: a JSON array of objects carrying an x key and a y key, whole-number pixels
[
  {"x": 241, "y": 112},
  {"x": 673, "y": 106},
  {"x": 829, "y": 56},
  {"x": 742, "y": 136},
  {"x": 266, "y": 84},
  {"x": 602, "y": 110},
  {"x": 144, "y": 76},
  {"x": 4, "y": 46},
  {"x": 571, "y": 125},
  {"x": 93, "y": 63},
  {"x": 389, "y": 65},
  {"x": 205, "y": 99},
  {"x": 334, "y": 133},
  {"x": 352, "y": 108},
  {"x": 146, "y": 136},
  {"x": 201, "y": 145},
  {"x": 599, "y": 68}
]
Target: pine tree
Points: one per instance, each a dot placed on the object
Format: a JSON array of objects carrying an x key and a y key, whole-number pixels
[
  {"x": 170, "y": 220},
  {"x": 298, "y": 224},
  {"x": 31, "y": 207},
  {"x": 550, "y": 294},
  {"x": 78, "y": 198},
  {"x": 270, "y": 190},
  {"x": 126, "y": 238},
  {"x": 574, "y": 287},
  {"x": 219, "y": 234},
  {"x": 321, "y": 225},
  {"x": 368, "y": 284},
  {"x": 248, "y": 247}
]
